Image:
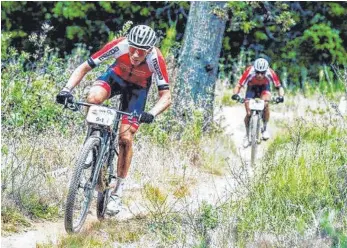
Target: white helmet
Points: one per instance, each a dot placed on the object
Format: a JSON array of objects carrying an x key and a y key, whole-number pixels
[
  {"x": 261, "y": 64},
  {"x": 142, "y": 36}
]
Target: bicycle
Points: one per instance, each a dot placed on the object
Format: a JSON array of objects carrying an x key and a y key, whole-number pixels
[
  {"x": 256, "y": 123},
  {"x": 94, "y": 165}
]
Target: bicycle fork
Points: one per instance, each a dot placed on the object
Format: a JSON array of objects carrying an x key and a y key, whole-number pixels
[{"x": 99, "y": 161}]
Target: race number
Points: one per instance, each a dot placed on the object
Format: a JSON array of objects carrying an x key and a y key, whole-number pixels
[
  {"x": 256, "y": 104},
  {"x": 101, "y": 115}
]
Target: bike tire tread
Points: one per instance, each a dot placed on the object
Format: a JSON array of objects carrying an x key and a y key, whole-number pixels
[{"x": 76, "y": 177}]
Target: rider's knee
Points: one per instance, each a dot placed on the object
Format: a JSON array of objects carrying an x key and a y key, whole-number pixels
[{"x": 95, "y": 98}]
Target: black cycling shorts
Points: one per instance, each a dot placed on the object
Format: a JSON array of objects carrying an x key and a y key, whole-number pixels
[
  {"x": 134, "y": 97},
  {"x": 257, "y": 91}
]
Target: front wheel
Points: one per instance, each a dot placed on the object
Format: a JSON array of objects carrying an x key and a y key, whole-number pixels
[
  {"x": 254, "y": 132},
  {"x": 81, "y": 191}
]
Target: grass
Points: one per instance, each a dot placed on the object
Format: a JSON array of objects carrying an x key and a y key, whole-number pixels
[
  {"x": 123, "y": 231},
  {"x": 226, "y": 98},
  {"x": 12, "y": 220},
  {"x": 27, "y": 170},
  {"x": 301, "y": 182},
  {"x": 104, "y": 234},
  {"x": 329, "y": 90},
  {"x": 214, "y": 164},
  {"x": 181, "y": 191},
  {"x": 39, "y": 208}
]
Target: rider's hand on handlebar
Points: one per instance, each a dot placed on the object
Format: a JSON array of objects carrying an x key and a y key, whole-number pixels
[
  {"x": 236, "y": 97},
  {"x": 279, "y": 99},
  {"x": 64, "y": 97},
  {"x": 146, "y": 118}
]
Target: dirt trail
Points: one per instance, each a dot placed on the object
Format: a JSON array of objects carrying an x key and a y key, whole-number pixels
[
  {"x": 211, "y": 189},
  {"x": 42, "y": 232}
]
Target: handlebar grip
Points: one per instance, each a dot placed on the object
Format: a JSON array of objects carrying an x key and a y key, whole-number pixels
[{"x": 72, "y": 106}]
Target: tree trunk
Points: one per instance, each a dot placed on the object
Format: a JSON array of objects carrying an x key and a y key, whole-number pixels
[{"x": 198, "y": 61}]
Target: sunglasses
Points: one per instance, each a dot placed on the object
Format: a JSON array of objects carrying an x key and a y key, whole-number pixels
[
  {"x": 260, "y": 72},
  {"x": 140, "y": 51}
]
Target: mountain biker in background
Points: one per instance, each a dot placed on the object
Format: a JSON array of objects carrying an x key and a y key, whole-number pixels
[
  {"x": 136, "y": 62},
  {"x": 258, "y": 78}
]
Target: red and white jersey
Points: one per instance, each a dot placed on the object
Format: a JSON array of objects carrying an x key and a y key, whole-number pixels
[
  {"x": 154, "y": 64},
  {"x": 248, "y": 77}
]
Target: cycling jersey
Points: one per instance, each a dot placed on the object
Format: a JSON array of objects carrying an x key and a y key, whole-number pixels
[
  {"x": 249, "y": 78},
  {"x": 154, "y": 64}
]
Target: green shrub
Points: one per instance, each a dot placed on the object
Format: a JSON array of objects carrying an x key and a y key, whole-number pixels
[
  {"x": 208, "y": 216},
  {"x": 37, "y": 207}
]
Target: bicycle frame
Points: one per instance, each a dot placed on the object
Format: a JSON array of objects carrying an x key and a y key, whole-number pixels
[
  {"x": 256, "y": 123},
  {"x": 257, "y": 109},
  {"x": 106, "y": 136},
  {"x": 103, "y": 123}
]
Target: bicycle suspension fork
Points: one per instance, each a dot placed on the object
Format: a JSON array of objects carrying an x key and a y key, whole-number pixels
[{"x": 99, "y": 163}]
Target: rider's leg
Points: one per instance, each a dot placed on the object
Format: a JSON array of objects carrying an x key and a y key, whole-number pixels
[
  {"x": 266, "y": 96},
  {"x": 246, "y": 142},
  {"x": 98, "y": 93},
  {"x": 250, "y": 94},
  {"x": 133, "y": 99},
  {"x": 247, "y": 117},
  {"x": 126, "y": 138}
]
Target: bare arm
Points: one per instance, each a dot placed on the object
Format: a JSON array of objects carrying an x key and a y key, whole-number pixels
[
  {"x": 280, "y": 91},
  {"x": 77, "y": 76},
  {"x": 163, "y": 103},
  {"x": 237, "y": 89}
]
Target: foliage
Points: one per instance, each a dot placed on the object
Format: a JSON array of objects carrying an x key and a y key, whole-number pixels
[
  {"x": 292, "y": 35},
  {"x": 30, "y": 82},
  {"x": 92, "y": 23},
  {"x": 209, "y": 216},
  {"x": 169, "y": 42},
  {"x": 319, "y": 42}
]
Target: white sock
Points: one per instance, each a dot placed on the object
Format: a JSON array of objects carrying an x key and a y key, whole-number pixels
[{"x": 118, "y": 191}]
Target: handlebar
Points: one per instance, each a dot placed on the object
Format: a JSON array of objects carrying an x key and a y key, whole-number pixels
[
  {"x": 273, "y": 100},
  {"x": 75, "y": 106}
]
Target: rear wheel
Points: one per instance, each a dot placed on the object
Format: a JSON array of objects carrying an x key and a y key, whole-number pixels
[
  {"x": 254, "y": 131},
  {"x": 80, "y": 191}
]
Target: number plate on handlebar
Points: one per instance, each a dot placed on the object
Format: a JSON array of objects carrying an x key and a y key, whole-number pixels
[
  {"x": 101, "y": 115},
  {"x": 256, "y": 104}
]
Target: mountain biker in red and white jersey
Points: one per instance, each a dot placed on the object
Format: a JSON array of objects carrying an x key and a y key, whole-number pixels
[
  {"x": 258, "y": 78},
  {"x": 136, "y": 62}
]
